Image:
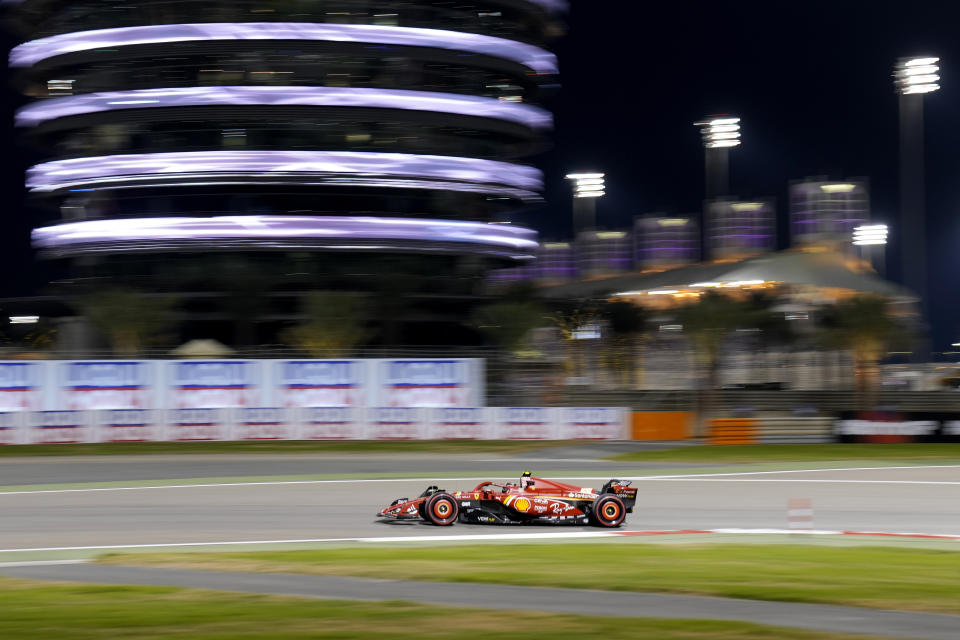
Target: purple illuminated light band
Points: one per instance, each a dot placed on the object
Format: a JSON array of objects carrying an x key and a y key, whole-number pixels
[
  {"x": 534, "y": 58},
  {"x": 284, "y": 232},
  {"x": 550, "y": 5},
  {"x": 285, "y": 96},
  {"x": 296, "y": 166}
]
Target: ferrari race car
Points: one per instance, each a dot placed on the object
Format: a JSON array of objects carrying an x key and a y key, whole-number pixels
[{"x": 533, "y": 501}]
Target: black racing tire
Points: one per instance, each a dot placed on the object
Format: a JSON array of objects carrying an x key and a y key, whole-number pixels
[
  {"x": 608, "y": 511},
  {"x": 442, "y": 509}
]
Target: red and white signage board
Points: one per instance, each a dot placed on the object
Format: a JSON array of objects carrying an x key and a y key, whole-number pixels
[
  {"x": 11, "y": 427},
  {"x": 330, "y": 423},
  {"x": 59, "y": 427},
  {"x": 429, "y": 383},
  {"x": 395, "y": 423},
  {"x": 452, "y": 423},
  {"x": 84, "y": 385},
  {"x": 263, "y": 423},
  {"x": 592, "y": 423},
  {"x": 197, "y": 425},
  {"x": 21, "y": 386},
  {"x": 320, "y": 383},
  {"x": 524, "y": 423},
  {"x": 128, "y": 425},
  {"x": 213, "y": 384}
]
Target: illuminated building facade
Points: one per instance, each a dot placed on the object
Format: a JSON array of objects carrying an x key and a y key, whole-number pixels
[
  {"x": 663, "y": 242},
  {"x": 825, "y": 213},
  {"x": 602, "y": 253},
  {"x": 555, "y": 263},
  {"x": 738, "y": 229},
  {"x": 324, "y": 141}
]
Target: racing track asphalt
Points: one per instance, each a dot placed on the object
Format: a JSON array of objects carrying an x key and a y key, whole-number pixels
[
  {"x": 836, "y": 619},
  {"x": 921, "y": 499},
  {"x": 125, "y": 468}
]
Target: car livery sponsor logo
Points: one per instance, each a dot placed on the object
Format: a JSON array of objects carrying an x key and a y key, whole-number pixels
[
  {"x": 540, "y": 501},
  {"x": 581, "y": 495},
  {"x": 540, "y": 508},
  {"x": 476, "y": 496},
  {"x": 558, "y": 507},
  {"x": 522, "y": 504}
]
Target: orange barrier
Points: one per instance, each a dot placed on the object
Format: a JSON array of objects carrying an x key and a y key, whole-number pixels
[
  {"x": 733, "y": 431},
  {"x": 661, "y": 425}
]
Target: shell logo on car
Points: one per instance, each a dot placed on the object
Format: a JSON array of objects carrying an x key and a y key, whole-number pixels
[{"x": 522, "y": 504}]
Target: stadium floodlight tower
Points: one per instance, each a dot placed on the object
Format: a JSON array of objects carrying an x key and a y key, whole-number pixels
[
  {"x": 720, "y": 134},
  {"x": 872, "y": 241},
  {"x": 914, "y": 78},
  {"x": 587, "y": 188}
]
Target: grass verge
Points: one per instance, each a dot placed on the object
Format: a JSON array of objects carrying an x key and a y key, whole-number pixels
[
  {"x": 39, "y": 611},
  {"x": 295, "y": 446},
  {"x": 878, "y": 577},
  {"x": 732, "y": 454}
]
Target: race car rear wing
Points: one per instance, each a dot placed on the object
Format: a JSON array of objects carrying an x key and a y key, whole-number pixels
[{"x": 623, "y": 490}]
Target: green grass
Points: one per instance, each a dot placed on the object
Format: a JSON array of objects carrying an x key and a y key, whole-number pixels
[
  {"x": 40, "y": 611},
  {"x": 297, "y": 446},
  {"x": 798, "y": 453},
  {"x": 880, "y": 577}
]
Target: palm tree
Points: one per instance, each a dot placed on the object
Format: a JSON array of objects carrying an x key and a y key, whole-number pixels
[
  {"x": 571, "y": 317},
  {"x": 708, "y": 324},
  {"x": 775, "y": 331},
  {"x": 863, "y": 326},
  {"x": 627, "y": 324},
  {"x": 508, "y": 322},
  {"x": 129, "y": 318},
  {"x": 336, "y": 323}
]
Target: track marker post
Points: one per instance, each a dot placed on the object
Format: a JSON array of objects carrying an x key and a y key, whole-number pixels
[{"x": 800, "y": 514}]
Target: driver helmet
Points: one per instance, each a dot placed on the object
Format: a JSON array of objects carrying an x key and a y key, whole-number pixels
[{"x": 525, "y": 480}]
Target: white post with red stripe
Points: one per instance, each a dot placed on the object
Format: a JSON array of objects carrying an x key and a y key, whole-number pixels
[{"x": 800, "y": 514}]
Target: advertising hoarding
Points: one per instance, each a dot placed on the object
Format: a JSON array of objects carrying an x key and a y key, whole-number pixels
[
  {"x": 320, "y": 383},
  {"x": 108, "y": 384},
  {"x": 21, "y": 386}
]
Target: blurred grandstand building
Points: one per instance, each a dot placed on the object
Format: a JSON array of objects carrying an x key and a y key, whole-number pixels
[{"x": 208, "y": 146}]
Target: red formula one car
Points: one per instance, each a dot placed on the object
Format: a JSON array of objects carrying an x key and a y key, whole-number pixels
[{"x": 534, "y": 501}]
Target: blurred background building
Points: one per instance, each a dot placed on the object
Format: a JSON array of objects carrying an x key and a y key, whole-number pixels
[
  {"x": 737, "y": 229},
  {"x": 229, "y": 148},
  {"x": 825, "y": 213},
  {"x": 601, "y": 253},
  {"x": 663, "y": 242}
]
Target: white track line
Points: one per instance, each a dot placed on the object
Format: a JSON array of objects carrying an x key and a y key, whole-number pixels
[
  {"x": 532, "y": 537},
  {"x": 381, "y": 539},
  {"x": 757, "y": 473},
  {"x": 37, "y": 563},
  {"x": 810, "y": 480},
  {"x": 704, "y": 476}
]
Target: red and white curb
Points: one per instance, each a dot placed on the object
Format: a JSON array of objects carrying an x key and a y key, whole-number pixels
[
  {"x": 500, "y": 537},
  {"x": 792, "y": 532}
]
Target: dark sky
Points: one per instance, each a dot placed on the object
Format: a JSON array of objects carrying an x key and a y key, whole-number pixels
[{"x": 811, "y": 81}]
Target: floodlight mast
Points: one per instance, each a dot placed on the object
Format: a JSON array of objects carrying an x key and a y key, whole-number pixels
[
  {"x": 914, "y": 78},
  {"x": 720, "y": 134},
  {"x": 871, "y": 241},
  {"x": 587, "y": 189}
]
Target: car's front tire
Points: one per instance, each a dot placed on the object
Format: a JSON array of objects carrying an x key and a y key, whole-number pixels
[{"x": 441, "y": 509}]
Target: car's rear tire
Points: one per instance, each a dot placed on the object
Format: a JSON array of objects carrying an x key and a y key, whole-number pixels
[
  {"x": 608, "y": 511},
  {"x": 442, "y": 509}
]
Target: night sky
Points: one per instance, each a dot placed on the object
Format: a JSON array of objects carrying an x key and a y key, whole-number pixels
[{"x": 811, "y": 81}]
